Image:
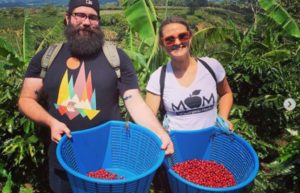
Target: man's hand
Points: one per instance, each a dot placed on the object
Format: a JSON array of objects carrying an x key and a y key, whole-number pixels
[
  {"x": 58, "y": 129},
  {"x": 167, "y": 144}
]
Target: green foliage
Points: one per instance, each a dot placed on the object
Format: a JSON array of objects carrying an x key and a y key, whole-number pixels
[{"x": 22, "y": 152}]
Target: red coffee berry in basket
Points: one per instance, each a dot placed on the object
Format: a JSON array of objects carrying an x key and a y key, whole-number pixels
[
  {"x": 205, "y": 173},
  {"x": 103, "y": 174}
]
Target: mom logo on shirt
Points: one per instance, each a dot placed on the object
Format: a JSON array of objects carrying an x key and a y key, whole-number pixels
[{"x": 195, "y": 102}]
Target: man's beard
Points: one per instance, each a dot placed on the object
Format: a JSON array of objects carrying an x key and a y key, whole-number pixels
[{"x": 87, "y": 45}]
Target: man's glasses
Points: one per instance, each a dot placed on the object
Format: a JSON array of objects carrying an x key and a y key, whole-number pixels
[
  {"x": 182, "y": 37},
  {"x": 83, "y": 16}
]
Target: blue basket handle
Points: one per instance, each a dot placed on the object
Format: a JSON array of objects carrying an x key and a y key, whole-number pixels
[
  {"x": 223, "y": 125},
  {"x": 126, "y": 125}
]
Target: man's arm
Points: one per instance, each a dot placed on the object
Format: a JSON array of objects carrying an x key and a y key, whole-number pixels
[
  {"x": 226, "y": 100},
  {"x": 143, "y": 115},
  {"x": 29, "y": 106}
]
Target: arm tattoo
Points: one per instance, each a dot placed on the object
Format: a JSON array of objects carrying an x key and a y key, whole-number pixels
[
  {"x": 36, "y": 92},
  {"x": 127, "y": 97}
]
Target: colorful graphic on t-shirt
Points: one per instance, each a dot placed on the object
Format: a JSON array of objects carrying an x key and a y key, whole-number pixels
[{"x": 79, "y": 98}]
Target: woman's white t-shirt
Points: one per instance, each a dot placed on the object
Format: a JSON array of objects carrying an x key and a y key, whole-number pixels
[{"x": 192, "y": 107}]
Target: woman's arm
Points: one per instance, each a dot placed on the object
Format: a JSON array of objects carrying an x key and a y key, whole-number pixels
[{"x": 225, "y": 100}]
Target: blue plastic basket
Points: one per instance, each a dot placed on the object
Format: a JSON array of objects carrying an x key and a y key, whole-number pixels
[
  {"x": 125, "y": 149},
  {"x": 212, "y": 143}
]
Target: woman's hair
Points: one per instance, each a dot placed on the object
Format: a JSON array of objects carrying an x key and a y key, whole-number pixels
[{"x": 173, "y": 19}]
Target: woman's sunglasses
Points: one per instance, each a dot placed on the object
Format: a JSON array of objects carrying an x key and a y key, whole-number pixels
[{"x": 182, "y": 37}]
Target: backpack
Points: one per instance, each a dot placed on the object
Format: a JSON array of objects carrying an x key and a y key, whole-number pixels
[
  {"x": 162, "y": 77},
  {"x": 109, "y": 50}
]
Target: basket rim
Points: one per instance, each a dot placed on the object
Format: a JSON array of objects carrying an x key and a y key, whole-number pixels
[
  {"x": 251, "y": 177},
  {"x": 69, "y": 170}
]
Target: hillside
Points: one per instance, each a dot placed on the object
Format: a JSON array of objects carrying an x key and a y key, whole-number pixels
[{"x": 30, "y": 3}]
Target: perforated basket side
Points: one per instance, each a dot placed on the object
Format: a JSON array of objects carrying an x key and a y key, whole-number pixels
[
  {"x": 136, "y": 186},
  {"x": 67, "y": 154},
  {"x": 135, "y": 148},
  {"x": 236, "y": 155}
]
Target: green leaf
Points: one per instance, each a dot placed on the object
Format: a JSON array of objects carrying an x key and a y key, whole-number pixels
[
  {"x": 27, "y": 39},
  {"x": 26, "y": 190},
  {"x": 7, "y": 51},
  {"x": 8, "y": 185},
  {"x": 3, "y": 171},
  {"x": 281, "y": 17},
  {"x": 33, "y": 139},
  {"x": 209, "y": 36},
  {"x": 278, "y": 55},
  {"x": 142, "y": 19},
  {"x": 138, "y": 58}
]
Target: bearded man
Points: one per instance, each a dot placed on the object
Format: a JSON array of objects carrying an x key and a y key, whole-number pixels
[{"x": 80, "y": 79}]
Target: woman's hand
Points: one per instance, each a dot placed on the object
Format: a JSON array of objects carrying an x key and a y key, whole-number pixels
[{"x": 167, "y": 144}]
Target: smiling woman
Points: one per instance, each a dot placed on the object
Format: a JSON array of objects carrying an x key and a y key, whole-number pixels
[
  {"x": 192, "y": 85},
  {"x": 186, "y": 90}
]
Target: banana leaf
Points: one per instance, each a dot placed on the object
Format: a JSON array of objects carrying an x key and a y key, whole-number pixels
[
  {"x": 209, "y": 36},
  {"x": 27, "y": 39},
  {"x": 278, "y": 55},
  {"x": 280, "y": 16},
  {"x": 141, "y": 17}
]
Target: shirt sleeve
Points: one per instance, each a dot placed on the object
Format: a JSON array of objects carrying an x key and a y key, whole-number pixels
[
  {"x": 34, "y": 67},
  {"x": 128, "y": 78},
  {"x": 216, "y": 67},
  {"x": 153, "y": 85}
]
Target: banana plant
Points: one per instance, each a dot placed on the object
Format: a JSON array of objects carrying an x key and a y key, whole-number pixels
[{"x": 143, "y": 22}]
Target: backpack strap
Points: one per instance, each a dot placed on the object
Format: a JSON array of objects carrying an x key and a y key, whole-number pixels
[
  {"x": 109, "y": 50},
  {"x": 111, "y": 53},
  {"x": 210, "y": 70},
  {"x": 48, "y": 58},
  {"x": 162, "y": 87}
]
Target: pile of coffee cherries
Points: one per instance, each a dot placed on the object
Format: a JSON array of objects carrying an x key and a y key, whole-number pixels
[
  {"x": 205, "y": 173},
  {"x": 103, "y": 174}
]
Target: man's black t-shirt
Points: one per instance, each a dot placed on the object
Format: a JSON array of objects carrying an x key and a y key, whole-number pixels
[{"x": 83, "y": 93}]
